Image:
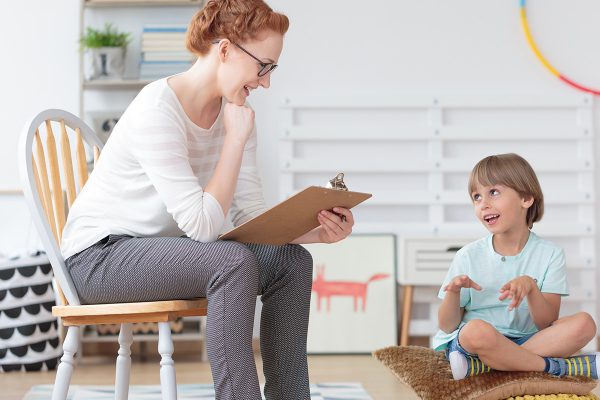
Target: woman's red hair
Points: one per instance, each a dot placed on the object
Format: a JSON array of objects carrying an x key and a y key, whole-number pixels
[{"x": 236, "y": 20}]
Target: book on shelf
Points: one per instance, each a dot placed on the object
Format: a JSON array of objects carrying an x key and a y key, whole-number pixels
[
  {"x": 163, "y": 43},
  {"x": 167, "y": 56},
  {"x": 158, "y": 69},
  {"x": 175, "y": 49},
  {"x": 163, "y": 35},
  {"x": 164, "y": 28},
  {"x": 163, "y": 38}
]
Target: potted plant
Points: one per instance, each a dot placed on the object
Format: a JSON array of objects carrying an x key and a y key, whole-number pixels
[{"x": 104, "y": 52}]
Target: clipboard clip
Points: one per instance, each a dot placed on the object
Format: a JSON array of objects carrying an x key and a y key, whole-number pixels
[{"x": 337, "y": 182}]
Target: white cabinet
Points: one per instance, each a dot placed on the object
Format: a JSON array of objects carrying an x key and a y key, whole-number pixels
[{"x": 425, "y": 261}]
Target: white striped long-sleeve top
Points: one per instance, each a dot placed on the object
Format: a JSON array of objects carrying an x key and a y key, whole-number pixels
[{"x": 150, "y": 176}]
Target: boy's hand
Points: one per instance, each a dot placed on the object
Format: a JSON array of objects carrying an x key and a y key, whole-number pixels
[
  {"x": 461, "y": 281},
  {"x": 517, "y": 290}
]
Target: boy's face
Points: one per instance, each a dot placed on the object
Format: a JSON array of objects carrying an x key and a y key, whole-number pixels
[{"x": 500, "y": 208}]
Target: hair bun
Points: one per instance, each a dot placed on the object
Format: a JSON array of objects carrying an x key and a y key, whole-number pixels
[{"x": 236, "y": 20}]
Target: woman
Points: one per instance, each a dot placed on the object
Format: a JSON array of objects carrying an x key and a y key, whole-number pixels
[{"x": 181, "y": 157}]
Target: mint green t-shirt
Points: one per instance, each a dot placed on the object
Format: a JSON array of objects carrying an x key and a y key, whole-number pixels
[{"x": 539, "y": 259}]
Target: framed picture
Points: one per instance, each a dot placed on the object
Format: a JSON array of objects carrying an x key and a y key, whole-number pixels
[
  {"x": 103, "y": 122},
  {"x": 353, "y": 304}
]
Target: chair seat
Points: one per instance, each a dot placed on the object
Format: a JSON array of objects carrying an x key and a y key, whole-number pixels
[{"x": 153, "y": 311}]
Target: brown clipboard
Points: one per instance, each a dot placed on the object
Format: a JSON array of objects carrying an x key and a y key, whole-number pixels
[{"x": 293, "y": 217}]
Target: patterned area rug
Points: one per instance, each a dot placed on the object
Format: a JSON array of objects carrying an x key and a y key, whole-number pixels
[{"x": 320, "y": 391}]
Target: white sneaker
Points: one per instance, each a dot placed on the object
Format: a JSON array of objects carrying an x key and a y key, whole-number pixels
[{"x": 464, "y": 366}]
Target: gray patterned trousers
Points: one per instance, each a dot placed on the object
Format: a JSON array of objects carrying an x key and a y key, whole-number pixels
[{"x": 122, "y": 269}]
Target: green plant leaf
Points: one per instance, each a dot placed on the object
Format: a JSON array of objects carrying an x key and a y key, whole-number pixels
[{"x": 107, "y": 37}]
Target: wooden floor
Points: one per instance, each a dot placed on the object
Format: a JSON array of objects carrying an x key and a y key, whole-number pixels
[
  {"x": 94, "y": 370},
  {"x": 376, "y": 379}
]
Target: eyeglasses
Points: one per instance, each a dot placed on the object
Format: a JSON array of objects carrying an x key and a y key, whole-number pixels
[{"x": 265, "y": 68}]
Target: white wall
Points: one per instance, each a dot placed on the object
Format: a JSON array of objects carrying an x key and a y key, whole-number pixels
[
  {"x": 348, "y": 48},
  {"x": 38, "y": 70},
  {"x": 39, "y": 47},
  {"x": 430, "y": 47}
]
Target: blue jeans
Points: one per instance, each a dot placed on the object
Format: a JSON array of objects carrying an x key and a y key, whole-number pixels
[{"x": 454, "y": 344}]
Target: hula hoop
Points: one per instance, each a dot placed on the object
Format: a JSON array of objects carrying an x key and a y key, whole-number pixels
[{"x": 544, "y": 61}]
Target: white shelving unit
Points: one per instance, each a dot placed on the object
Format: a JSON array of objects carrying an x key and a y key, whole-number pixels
[
  {"x": 111, "y": 95},
  {"x": 414, "y": 153}
]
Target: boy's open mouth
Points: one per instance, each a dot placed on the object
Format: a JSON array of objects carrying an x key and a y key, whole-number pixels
[{"x": 491, "y": 219}]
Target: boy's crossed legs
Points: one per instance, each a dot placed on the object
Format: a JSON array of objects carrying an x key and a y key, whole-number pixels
[{"x": 563, "y": 338}]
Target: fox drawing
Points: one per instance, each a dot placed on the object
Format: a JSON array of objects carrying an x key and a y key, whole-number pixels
[{"x": 325, "y": 289}]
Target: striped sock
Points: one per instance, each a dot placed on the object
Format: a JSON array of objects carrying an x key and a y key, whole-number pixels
[
  {"x": 465, "y": 366},
  {"x": 581, "y": 365}
]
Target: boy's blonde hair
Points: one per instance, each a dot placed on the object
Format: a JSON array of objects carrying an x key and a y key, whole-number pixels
[{"x": 513, "y": 171}]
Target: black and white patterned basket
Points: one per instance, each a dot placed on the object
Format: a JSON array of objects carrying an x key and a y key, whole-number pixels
[{"x": 28, "y": 331}]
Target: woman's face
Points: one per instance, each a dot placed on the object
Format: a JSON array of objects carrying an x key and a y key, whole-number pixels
[{"x": 238, "y": 72}]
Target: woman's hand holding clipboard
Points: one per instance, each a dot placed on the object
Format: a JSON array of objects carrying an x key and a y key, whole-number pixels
[{"x": 297, "y": 215}]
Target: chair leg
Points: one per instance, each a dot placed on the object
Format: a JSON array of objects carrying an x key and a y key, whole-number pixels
[
  {"x": 168, "y": 384},
  {"x": 406, "y": 311},
  {"x": 65, "y": 368},
  {"x": 204, "y": 357},
  {"x": 123, "y": 363}
]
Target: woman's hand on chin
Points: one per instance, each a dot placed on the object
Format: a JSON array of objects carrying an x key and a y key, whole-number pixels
[{"x": 238, "y": 121}]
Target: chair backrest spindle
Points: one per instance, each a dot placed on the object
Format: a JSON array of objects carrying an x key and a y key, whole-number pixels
[
  {"x": 96, "y": 155},
  {"x": 57, "y": 190},
  {"x": 41, "y": 177},
  {"x": 82, "y": 172},
  {"x": 67, "y": 160}
]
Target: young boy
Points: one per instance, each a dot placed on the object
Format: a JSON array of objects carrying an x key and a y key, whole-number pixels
[{"x": 501, "y": 296}]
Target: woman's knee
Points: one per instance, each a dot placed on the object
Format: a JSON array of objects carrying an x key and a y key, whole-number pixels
[
  {"x": 300, "y": 260},
  {"x": 240, "y": 253},
  {"x": 477, "y": 335},
  {"x": 301, "y": 255},
  {"x": 239, "y": 260}
]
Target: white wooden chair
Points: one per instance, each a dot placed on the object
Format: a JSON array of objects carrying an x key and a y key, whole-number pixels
[{"x": 44, "y": 186}]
